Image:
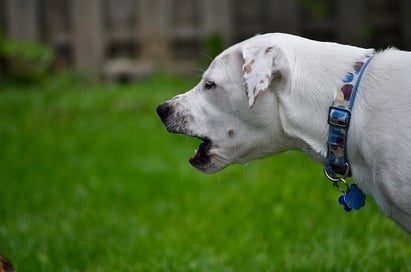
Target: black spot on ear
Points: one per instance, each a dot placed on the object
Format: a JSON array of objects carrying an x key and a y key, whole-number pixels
[{"x": 231, "y": 133}]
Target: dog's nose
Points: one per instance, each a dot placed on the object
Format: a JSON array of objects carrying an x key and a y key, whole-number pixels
[{"x": 164, "y": 110}]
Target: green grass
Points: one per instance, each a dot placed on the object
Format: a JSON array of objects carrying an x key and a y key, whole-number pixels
[{"x": 91, "y": 181}]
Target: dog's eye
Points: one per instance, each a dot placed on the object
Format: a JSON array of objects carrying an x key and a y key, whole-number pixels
[{"x": 209, "y": 85}]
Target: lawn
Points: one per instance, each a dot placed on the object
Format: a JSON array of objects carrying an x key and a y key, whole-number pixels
[{"x": 91, "y": 181}]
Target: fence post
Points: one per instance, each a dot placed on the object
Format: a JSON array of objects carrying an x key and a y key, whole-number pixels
[
  {"x": 23, "y": 20},
  {"x": 88, "y": 38},
  {"x": 217, "y": 17},
  {"x": 283, "y": 16},
  {"x": 406, "y": 24},
  {"x": 351, "y": 22},
  {"x": 154, "y": 29}
]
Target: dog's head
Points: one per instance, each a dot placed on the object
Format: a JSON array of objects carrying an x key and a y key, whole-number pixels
[{"x": 234, "y": 108}]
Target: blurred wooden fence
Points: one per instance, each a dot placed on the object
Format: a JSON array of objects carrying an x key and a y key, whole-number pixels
[{"x": 132, "y": 37}]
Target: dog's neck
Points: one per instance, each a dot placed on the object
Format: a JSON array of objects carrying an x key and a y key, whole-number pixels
[{"x": 318, "y": 70}]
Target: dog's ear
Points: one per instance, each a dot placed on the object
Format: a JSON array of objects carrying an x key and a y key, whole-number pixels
[{"x": 260, "y": 67}]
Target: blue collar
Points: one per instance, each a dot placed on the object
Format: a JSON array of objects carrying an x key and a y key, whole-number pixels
[{"x": 337, "y": 168}]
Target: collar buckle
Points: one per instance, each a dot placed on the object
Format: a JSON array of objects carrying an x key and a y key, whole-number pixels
[{"x": 339, "y": 117}]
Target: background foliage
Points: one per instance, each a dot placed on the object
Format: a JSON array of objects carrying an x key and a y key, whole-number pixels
[{"x": 24, "y": 60}]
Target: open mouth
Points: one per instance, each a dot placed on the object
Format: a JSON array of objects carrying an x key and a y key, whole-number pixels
[{"x": 201, "y": 158}]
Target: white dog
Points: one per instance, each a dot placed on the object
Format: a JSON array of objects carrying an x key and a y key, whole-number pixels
[{"x": 273, "y": 93}]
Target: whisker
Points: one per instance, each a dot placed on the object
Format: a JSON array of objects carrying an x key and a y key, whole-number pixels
[
  {"x": 204, "y": 54},
  {"x": 197, "y": 72}
]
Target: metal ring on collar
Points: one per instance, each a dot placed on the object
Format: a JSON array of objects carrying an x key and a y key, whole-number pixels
[
  {"x": 347, "y": 186},
  {"x": 337, "y": 179}
]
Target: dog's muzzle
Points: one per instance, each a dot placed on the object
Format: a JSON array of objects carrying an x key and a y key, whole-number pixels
[
  {"x": 176, "y": 122},
  {"x": 173, "y": 122}
]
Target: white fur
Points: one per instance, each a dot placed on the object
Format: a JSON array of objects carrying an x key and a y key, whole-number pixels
[{"x": 273, "y": 92}]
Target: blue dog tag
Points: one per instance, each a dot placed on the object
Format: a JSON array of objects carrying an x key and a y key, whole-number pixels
[
  {"x": 343, "y": 203},
  {"x": 354, "y": 198}
]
